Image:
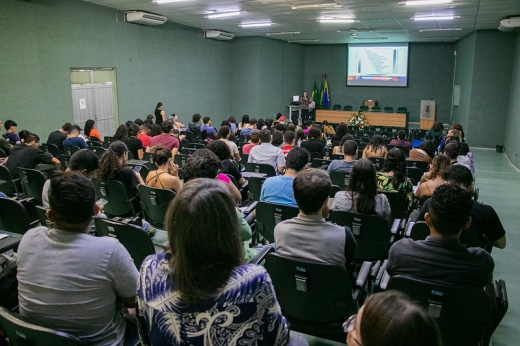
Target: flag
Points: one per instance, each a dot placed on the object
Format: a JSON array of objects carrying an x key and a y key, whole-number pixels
[
  {"x": 321, "y": 91},
  {"x": 326, "y": 99},
  {"x": 315, "y": 93}
]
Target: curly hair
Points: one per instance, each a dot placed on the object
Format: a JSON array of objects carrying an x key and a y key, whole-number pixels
[
  {"x": 89, "y": 125},
  {"x": 121, "y": 133},
  {"x": 341, "y": 130},
  {"x": 396, "y": 163},
  {"x": 156, "y": 130},
  {"x": 314, "y": 132},
  {"x": 450, "y": 208},
  {"x": 110, "y": 165},
  {"x": 429, "y": 148},
  {"x": 439, "y": 165},
  {"x": 221, "y": 149},
  {"x": 376, "y": 143},
  {"x": 203, "y": 163}
]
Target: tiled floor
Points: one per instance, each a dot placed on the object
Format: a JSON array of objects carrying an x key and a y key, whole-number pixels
[{"x": 499, "y": 184}]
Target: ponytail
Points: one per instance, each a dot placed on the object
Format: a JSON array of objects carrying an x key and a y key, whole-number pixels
[{"x": 109, "y": 163}]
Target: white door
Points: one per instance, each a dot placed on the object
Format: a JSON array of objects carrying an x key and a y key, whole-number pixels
[{"x": 94, "y": 101}]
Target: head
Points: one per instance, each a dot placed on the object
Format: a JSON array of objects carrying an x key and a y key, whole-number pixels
[
  {"x": 146, "y": 129},
  {"x": 84, "y": 161},
  {"x": 269, "y": 122},
  {"x": 255, "y": 137},
  {"x": 297, "y": 159},
  {"x": 148, "y": 121},
  {"x": 195, "y": 118},
  {"x": 449, "y": 211},
  {"x": 174, "y": 117},
  {"x": 463, "y": 149},
  {"x": 311, "y": 99},
  {"x": 204, "y": 242},
  {"x": 175, "y": 133},
  {"x": 390, "y": 318},
  {"x": 437, "y": 126},
  {"x": 162, "y": 156},
  {"x": 278, "y": 115},
  {"x": 89, "y": 125},
  {"x": 245, "y": 119},
  {"x": 74, "y": 131},
  {"x": 206, "y": 121},
  {"x": 291, "y": 127},
  {"x": 159, "y": 105},
  {"x": 401, "y": 134},
  {"x": 133, "y": 130},
  {"x": 314, "y": 133},
  {"x": 429, "y": 148},
  {"x": 364, "y": 182},
  {"x": 167, "y": 127},
  {"x": 277, "y": 138},
  {"x": 260, "y": 124},
  {"x": 311, "y": 190},
  {"x": 455, "y": 134},
  {"x": 300, "y": 134},
  {"x": 203, "y": 163},
  {"x": 376, "y": 143},
  {"x": 325, "y": 122},
  {"x": 156, "y": 130},
  {"x": 149, "y": 117},
  {"x": 221, "y": 149},
  {"x": 395, "y": 162},
  {"x": 439, "y": 165},
  {"x": 232, "y": 120},
  {"x": 224, "y": 132},
  {"x": 265, "y": 136},
  {"x": 66, "y": 127},
  {"x": 23, "y": 135},
  {"x": 138, "y": 122},
  {"x": 459, "y": 128},
  {"x": 304, "y": 94},
  {"x": 308, "y": 124},
  {"x": 10, "y": 126},
  {"x": 32, "y": 140},
  {"x": 341, "y": 130},
  {"x": 451, "y": 151},
  {"x": 121, "y": 133},
  {"x": 350, "y": 148},
  {"x": 112, "y": 161},
  {"x": 128, "y": 123},
  {"x": 459, "y": 175},
  {"x": 252, "y": 122},
  {"x": 225, "y": 123},
  {"x": 280, "y": 127},
  {"x": 288, "y": 137},
  {"x": 282, "y": 120}
]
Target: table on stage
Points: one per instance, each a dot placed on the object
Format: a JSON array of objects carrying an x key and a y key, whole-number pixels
[{"x": 372, "y": 118}]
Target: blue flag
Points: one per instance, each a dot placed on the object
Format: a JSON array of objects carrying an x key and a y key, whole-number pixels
[{"x": 326, "y": 99}]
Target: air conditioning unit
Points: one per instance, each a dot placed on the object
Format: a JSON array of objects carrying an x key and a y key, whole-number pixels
[
  {"x": 218, "y": 35},
  {"x": 144, "y": 18},
  {"x": 509, "y": 24}
]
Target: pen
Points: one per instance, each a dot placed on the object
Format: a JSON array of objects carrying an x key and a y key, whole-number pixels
[{"x": 11, "y": 236}]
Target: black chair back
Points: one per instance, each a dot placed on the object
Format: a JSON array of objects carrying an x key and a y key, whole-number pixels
[
  {"x": 98, "y": 150},
  {"x": 337, "y": 157},
  {"x": 260, "y": 168},
  {"x": 203, "y": 134},
  {"x": 406, "y": 151},
  {"x": 70, "y": 149},
  {"x": 462, "y": 313},
  {"x": 114, "y": 192},
  {"x": 187, "y": 151},
  {"x": 317, "y": 163},
  {"x": 180, "y": 159},
  {"x": 340, "y": 179},
  {"x": 2, "y": 153},
  {"x": 372, "y": 233},
  {"x": 14, "y": 217},
  {"x": 196, "y": 146},
  {"x": 190, "y": 136},
  {"x": 314, "y": 155},
  {"x": 108, "y": 141},
  {"x": 8, "y": 185},
  {"x": 133, "y": 238},
  {"x": 41, "y": 212},
  {"x": 154, "y": 203},
  {"x": 468, "y": 237},
  {"x": 423, "y": 166},
  {"x": 377, "y": 162},
  {"x": 334, "y": 190},
  {"x": 398, "y": 205},
  {"x": 148, "y": 157},
  {"x": 32, "y": 183},
  {"x": 51, "y": 149},
  {"x": 268, "y": 215},
  {"x": 64, "y": 161},
  {"x": 415, "y": 174},
  {"x": 254, "y": 188}
]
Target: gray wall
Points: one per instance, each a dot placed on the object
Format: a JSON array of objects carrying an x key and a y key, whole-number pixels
[
  {"x": 465, "y": 48},
  {"x": 512, "y": 144},
  {"x": 430, "y": 75}
]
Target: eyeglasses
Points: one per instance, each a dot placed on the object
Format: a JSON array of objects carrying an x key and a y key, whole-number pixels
[{"x": 350, "y": 325}]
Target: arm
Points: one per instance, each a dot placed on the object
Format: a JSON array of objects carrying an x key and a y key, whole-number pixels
[
  {"x": 364, "y": 153},
  {"x": 325, "y": 211},
  {"x": 280, "y": 160},
  {"x": 280, "y": 169},
  {"x": 140, "y": 154},
  {"x": 163, "y": 115},
  {"x": 234, "y": 192},
  {"x": 273, "y": 325},
  {"x": 148, "y": 149},
  {"x": 237, "y": 157},
  {"x": 122, "y": 273},
  {"x": 244, "y": 231},
  {"x": 56, "y": 163},
  {"x": 175, "y": 151}
]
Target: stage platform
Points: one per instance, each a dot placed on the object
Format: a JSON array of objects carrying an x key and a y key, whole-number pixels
[{"x": 372, "y": 118}]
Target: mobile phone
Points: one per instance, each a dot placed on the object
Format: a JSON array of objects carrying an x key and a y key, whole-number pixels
[
  {"x": 137, "y": 169},
  {"x": 101, "y": 202}
]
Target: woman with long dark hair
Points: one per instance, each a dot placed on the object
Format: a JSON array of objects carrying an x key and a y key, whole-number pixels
[
  {"x": 424, "y": 152},
  {"x": 394, "y": 177},
  {"x": 121, "y": 133},
  {"x": 160, "y": 115},
  {"x": 245, "y": 121},
  {"x": 134, "y": 144},
  {"x": 438, "y": 167},
  {"x": 90, "y": 131},
  {"x": 375, "y": 148},
  {"x": 361, "y": 195},
  {"x": 341, "y": 130},
  {"x": 436, "y": 130}
]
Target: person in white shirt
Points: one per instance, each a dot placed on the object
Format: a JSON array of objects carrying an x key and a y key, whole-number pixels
[{"x": 266, "y": 153}]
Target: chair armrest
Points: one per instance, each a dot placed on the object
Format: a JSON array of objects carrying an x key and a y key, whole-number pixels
[
  {"x": 363, "y": 274},
  {"x": 384, "y": 281},
  {"x": 375, "y": 269},
  {"x": 249, "y": 209},
  {"x": 408, "y": 231},
  {"x": 35, "y": 223},
  {"x": 262, "y": 254},
  {"x": 395, "y": 226},
  {"x": 381, "y": 272}
]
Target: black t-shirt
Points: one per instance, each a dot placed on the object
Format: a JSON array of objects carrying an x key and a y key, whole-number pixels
[
  {"x": 57, "y": 139},
  {"x": 314, "y": 146},
  {"x": 129, "y": 180},
  {"x": 133, "y": 144},
  {"x": 229, "y": 167},
  {"x": 25, "y": 156},
  {"x": 158, "y": 116},
  {"x": 484, "y": 220}
]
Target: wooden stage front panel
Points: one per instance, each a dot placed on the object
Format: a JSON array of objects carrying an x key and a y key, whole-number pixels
[{"x": 374, "y": 118}]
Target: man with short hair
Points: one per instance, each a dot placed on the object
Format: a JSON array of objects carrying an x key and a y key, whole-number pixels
[
  {"x": 4, "y": 143},
  {"x": 58, "y": 137},
  {"x": 74, "y": 139},
  {"x": 224, "y": 134},
  {"x": 27, "y": 155},
  {"x": 165, "y": 139},
  {"x": 71, "y": 281},
  {"x": 280, "y": 127},
  {"x": 451, "y": 151},
  {"x": 253, "y": 142},
  {"x": 210, "y": 131},
  {"x": 309, "y": 236},
  {"x": 401, "y": 140},
  {"x": 345, "y": 166},
  {"x": 266, "y": 153},
  {"x": 441, "y": 258},
  {"x": 10, "y": 135},
  {"x": 485, "y": 220},
  {"x": 279, "y": 190},
  {"x": 288, "y": 138}
]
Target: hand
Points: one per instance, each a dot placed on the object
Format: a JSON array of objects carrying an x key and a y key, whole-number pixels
[
  {"x": 173, "y": 169},
  {"x": 139, "y": 178}
]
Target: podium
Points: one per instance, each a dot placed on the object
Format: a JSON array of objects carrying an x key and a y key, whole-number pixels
[
  {"x": 428, "y": 114},
  {"x": 295, "y": 108}
]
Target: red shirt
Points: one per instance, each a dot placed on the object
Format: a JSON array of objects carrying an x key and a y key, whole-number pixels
[
  {"x": 247, "y": 148},
  {"x": 144, "y": 139},
  {"x": 165, "y": 140},
  {"x": 286, "y": 149}
]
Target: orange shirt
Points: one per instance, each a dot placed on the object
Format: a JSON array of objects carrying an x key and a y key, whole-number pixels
[{"x": 95, "y": 133}]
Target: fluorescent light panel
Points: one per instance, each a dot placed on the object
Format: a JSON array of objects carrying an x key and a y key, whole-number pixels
[
  {"x": 435, "y": 18},
  {"x": 283, "y": 33},
  {"x": 166, "y": 1},
  {"x": 251, "y": 25},
  {"x": 304, "y": 41},
  {"x": 316, "y": 6},
  {"x": 441, "y": 29},
  {"x": 338, "y": 21},
  {"x": 225, "y": 14},
  {"x": 425, "y": 2}
]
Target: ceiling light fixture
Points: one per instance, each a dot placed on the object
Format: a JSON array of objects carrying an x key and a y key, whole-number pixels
[
  {"x": 283, "y": 33},
  {"x": 225, "y": 14},
  {"x": 425, "y": 2},
  {"x": 441, "y": 29},
  {"x": 435, "y": 18},
  {"x": 304, "y": 41},
  {"x": 166, "y": 1},
  {"x": 316, "y": 6},
  {"x": 338, "y": 21},
  {"x": 251, "y": 25}
]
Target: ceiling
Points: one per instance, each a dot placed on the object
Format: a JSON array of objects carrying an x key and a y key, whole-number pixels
[{"x": 379, "y": 21}]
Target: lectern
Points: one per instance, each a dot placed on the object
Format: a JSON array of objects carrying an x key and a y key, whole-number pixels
[{"x": 428, "y": 114}]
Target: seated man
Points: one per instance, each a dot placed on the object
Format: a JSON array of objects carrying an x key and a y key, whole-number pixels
[
  {"x": 27, "y": 155},
  {"x": 309, "y": 236},
  {"x": 266, "y": 153},
  {"x": 71, "y": 281},
  {"x": 348, "y": 162},
  {"x": 165, "y": 139},
  {"x": 279, "y": 190},
  {"x": 485, "y": 220},
  {"x": 253, "y": 142},
  {"x": 58, "y": 137},
  {"x": 10, "y": 134},
  {"x": 74, "y": 139},
  {"x": 441, "y": 258},
  {"x": 451, "y": 151},
  {"x": 401, "y": 135},
  {"x": 210, "y": 131},
  {"x": 288, "y": 138},
  {"x": 224, "y": 134},
  {"x": 4, "y": 143}
]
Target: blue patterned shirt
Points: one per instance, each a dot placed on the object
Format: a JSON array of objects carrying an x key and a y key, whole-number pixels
[{"x": 245, "y": 313}]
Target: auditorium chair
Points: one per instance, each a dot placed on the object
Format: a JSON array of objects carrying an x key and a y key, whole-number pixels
[
  {"x": 363, "y": 108},
  {"x": 361, "y": 147},
  {"x": 402, "y": 109},
  {"x": 325, "y": 106},
  {"x": 143, "y": 170},
  {"x": 203, "y": 135},
  {"x": 190, "y": 136},
  {"x": 398, "y": 205},
  {"x": 336, "y": 107},
  {"x": 41, "y": 212},
  {"x": 347, "y": 108},
  {"x": 148, "y": 157},
  {"x": 94, "y": 139},
  {"x": 268, "y": 215},
  {"x": 260, "y": 168},
  {"x": 340, "y": 179},
  {"x": 187, "y": 151},
  {"x": 415, "y": 174},
  {"x": 377, "y": 162},
  {"x": 130, "y": 156},
  {"x": 319, "y": 162},
  {"x": 180, "y": 159},
  {"x": 98, "y": 150},
  {"x": 314, "y": 155},
  {"x": 337, "y": 157},
  {"x": 51, "y": 149},
  {"x": 423, "y": 166},
  {"x": 2, "y": 153},
  {"x": 70, "y": 149},
  {"x": 184, "y": 143},
  {"x": 119, "y": 204},
  {"x": 196, "y": 146},
  {"x": 14, "y": 217},
  {"x": 64, "y": 161},
  {"x": 107, "y": 141},
  {"x": 388, "y": 109},
  {"x": 373, "y": 234},
  {"x": 243, "y": 157},
  {"x": 154, "y": 203},
  {"x": 316, "y": 298},
  {"x": 376, "y": 109},
  {"x": 32, "y": 183},
  {"x": 255, "y": 189},
  {"x": 8, "y": 185},
  {"x": 406, "y": 151}
]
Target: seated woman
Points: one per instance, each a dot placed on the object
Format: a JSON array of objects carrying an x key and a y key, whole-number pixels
[
  {"x": 201, "y": 292},
  {"x": 361, "y": 195},
  {"x": 339, "y": 149},
  {"x": 121, "y": 133},
  {"x": 341, "y": 131},
  {"x": 394, "y": 177},
  {"x": 392, "y": 319},
  {"x": 167, "y": 174},
  {"x": 221, "y": 149},
  {"x": 439, "y": 165},
  {"x": 203, "y": 163},
  {"x": 436, "y": 130},
  {"x": 424, "y": 152},
  {"x": 176, "y": 124},
  {"x": 134, "y": 144},
  {"x": 90, "y": 131},
  {"x": 375, "y": 148}
]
